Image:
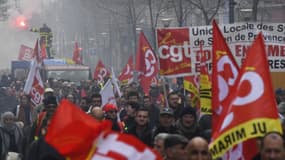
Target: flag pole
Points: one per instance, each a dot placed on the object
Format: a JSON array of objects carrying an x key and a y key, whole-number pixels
[{"x": 161, "y": 77}]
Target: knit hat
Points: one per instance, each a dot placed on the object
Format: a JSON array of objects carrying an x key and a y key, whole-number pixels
[
  {"x": 174, "y": 139},
  {"x": 188, "y": 110}
]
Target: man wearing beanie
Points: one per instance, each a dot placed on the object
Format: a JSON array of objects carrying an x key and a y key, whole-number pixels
[{"x": 187, "y": 123}]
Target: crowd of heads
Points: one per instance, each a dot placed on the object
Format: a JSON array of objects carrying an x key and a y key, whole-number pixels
[{"x": 171, "y": 125}]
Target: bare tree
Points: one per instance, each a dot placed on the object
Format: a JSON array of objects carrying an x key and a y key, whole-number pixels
[{"x": 208, "y": 8}]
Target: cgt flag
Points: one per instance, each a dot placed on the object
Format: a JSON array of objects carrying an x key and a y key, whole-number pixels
[
  {"x": 34, "y": 85},
  {"x": 100, "y": 72},
  {"x": 126, "y": 77},
  {"x": 147, "y": 65},
  {"x": 225, "y": 72},
  {"x": 253, "y": 99}
]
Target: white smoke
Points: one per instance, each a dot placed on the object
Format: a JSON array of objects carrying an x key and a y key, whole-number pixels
[{"x": 12, "y": 37}]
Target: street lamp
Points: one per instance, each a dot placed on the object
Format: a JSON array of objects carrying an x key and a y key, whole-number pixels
[{"x": 166, "y": 21}]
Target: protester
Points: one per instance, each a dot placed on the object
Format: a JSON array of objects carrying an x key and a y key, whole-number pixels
[
  {"x": 11, "y": 137},
  {"x": 84, "y": 104},
  {"x": 40, "y": 124},
  {"x": 174, "y": 147},
  {"x": 187, "y": 123},
  {"x": 97, "y": 113},
  {"x": 197, "y": 149},
  {"x": 96, "y": 101},
  {"x": 131, "y": 108},
  {"x": 25, "y": 111},
  {"x": 110, "y": 111},
  {"x": 272, "y": 147},
  {"x": 142, "y": 129},
  {"x": 173, "y": 102},
  {"x": 133, "y": 96},
  {"x": 153, "y": 111},
  {"x": 166, "y": 123},
  {"x": 158, "y": 143}
]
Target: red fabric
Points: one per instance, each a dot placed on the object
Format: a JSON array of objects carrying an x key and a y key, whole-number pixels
[
  {"x": 253, "y": 97},
  {"x": 127, "y": 72},
  {"x": 100, "y": 72},
  {"x": 37, "y": 53},
  {"x": 43, "y": 51},
  {"x": 25, "y": 53},
  {"x": 110, "y": 107},
  {"x": 229, "y": 73},
  {"x": 76, "y": 54},
  {"x": 146, "y": 63},
  {"x": 83, "y": 93},
  {"x": 123, "y": 147},
  {"x": 71, "y": 131}
]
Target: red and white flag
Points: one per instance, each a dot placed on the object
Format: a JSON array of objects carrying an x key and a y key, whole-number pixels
[
  {"x": 95, "y": 140},
  {"x": 253, "y": 98},
  {"x": 101, "y": 72},
  {"x": 72, "y": 132},
  {"x": 146, "y": 64},
  {"x": 107, "y": 93},
  {"x": 25, "y": 53},
  {"x": 34, "y": 85},
  {"x": 116, "y": 146},
  {"x": 126, "y": 76},
  {"x": 224, "y": 75},
  {"x": 77, "y": 58}
]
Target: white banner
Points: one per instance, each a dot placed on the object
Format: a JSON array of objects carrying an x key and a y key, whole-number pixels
[{"x": 239, "y": 36}]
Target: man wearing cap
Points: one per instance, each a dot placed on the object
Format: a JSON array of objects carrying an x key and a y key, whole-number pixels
[
  {"x": 166, "y": 122},
  {"x": 174, "y": 147},
  {"x": 110, "y": 111}
]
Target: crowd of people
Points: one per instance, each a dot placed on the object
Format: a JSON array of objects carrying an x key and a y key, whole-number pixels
[{"x": 170, "y": 125}]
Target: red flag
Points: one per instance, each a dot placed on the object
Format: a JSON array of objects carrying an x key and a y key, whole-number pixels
[
  {"x": 72, "y": 132},
  {"x": 43, "y": 51},
  {"x": 146, "y": 63},
  {"x": 37, "y": 54},
  {"x": 126, "y": 75},
  {"x": 174, "y": 52},
  {"x": 100, "y": 72},
  {"x": 122, "y": 147},
  {"x": 76, "y": 54},
  {"x": 223, "y": 80},
  {"x": 252, "y": 109},
  {"x": 224, "y": 74}
]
